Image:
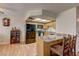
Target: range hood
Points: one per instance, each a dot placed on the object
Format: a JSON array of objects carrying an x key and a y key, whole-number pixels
[{"x": 43, "y": 14}]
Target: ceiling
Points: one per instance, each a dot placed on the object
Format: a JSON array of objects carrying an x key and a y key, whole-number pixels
[{"x": 25, "y": 7}]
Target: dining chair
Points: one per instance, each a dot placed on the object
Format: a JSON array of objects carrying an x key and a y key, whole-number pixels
[
  {"x": 68, "y": 47},
  {"x": 73, "y": 45}
]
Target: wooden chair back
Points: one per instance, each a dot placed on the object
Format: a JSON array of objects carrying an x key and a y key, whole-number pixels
[
  {"x": 66, "y": 42},
  {"x": 69, "y": 45},
  {"x": 73, "y": 45}
]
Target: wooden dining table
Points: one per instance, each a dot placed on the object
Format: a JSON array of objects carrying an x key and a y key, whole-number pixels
[{"x": 43, "y": 46}]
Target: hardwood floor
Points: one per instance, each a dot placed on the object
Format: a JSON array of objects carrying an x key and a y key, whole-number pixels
[
  {"x": 18, "y": 50},
  {"x": 77, "y": 54}
]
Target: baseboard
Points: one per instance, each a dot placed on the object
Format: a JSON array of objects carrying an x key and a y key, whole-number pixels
[
  {"x": 1, "y": 43},
  {"x": 22, "y": 42},
  {"x": 4, "y": 43}
]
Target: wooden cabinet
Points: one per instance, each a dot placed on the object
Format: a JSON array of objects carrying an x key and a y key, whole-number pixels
[
  {"x": 30, "y": 33},
  {"x": 14, "y": 36}
]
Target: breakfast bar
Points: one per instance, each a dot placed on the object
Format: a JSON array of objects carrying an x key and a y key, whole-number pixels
[{"x": 44, "y": 44}]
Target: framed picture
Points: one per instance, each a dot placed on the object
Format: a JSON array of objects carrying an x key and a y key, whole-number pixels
[{"x": 6, "y": 21}]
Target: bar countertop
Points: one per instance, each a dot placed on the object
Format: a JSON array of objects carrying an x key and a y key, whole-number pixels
[{"x": 50, "y": 38}]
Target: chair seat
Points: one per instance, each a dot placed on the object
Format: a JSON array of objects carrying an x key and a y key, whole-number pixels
[{"x": 58, "y": 49}]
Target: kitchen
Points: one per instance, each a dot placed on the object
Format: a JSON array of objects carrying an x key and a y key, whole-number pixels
[{"x": 33, "y": 30}]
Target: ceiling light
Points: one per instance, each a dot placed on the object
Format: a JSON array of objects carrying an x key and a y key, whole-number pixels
[
  {"x": 37, "y": 19},
  {"x": 45, "y": 20},
  {"x": 41, "y": 20}
]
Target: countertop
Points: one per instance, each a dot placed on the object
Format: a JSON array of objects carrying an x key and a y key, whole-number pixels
[{"x": 50, "y": 38}]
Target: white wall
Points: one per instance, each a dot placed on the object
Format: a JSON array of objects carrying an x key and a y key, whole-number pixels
[
  {"x": 77, "y": 28},
  {"x": 16, "y": 20},
  {"x": 66, "y": 21},
  {"x": 77, "y": 23}
]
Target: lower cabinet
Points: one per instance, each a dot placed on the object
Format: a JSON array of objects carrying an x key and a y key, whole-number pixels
[{"x": 15, "y": 36}]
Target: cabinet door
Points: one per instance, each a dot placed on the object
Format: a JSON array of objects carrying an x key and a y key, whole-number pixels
[{"x": 30, "y": 33}]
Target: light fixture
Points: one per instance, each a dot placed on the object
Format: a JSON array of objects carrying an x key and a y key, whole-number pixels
[
  {"x": 37, "y": 19},
  {"x": 41, "y": 20},
  {"x": 44, "y": 20}
]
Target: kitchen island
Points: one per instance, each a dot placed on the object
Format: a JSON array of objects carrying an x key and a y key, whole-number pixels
[{"x": 44, "y": 43}]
